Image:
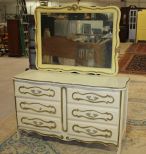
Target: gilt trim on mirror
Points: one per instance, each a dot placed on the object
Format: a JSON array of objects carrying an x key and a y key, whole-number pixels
[{"x": 77, "y": 39}]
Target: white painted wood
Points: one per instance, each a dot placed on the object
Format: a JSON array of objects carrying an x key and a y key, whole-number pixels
[
  {"x": 74, "y": 79},
  {"x": 37, "y": 90},
  {"x": 94, "y": 96},
  {"x": 92, "y": 131},
  {"x": 39, "y": 107},
  {"x": 94, "y": 114},
  {"x": 33, "y": 121},
  {"x": 78, "y": 107}
]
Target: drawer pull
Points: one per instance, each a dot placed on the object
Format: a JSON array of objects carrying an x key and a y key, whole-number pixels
[
  {"x": 92, "y": 131},
  {"x": 38, "y": 123},
  {"x": 92, "y": 115},
  {"x": 37, "y": 107},
  {"x": 93, "y": 98},
  {"x": 36, "y": 91}
]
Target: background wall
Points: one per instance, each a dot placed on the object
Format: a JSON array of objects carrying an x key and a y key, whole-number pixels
[
  {"x": 138, "y": 3},
  {"x": 2, "y": 13},
  {"x": 31, "y": 4},
  {"x": 9, "y": 6}
]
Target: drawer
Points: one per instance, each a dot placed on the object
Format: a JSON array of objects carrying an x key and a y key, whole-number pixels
[
  {"x": 40, "y": 107},
  {"x": 37, "y": 90},
  {"x": 92, "y": 132},
  {"x": 94, "y": 96},
  {"x": 38, "y": 122},
  {"x": 93, "y": 114}
]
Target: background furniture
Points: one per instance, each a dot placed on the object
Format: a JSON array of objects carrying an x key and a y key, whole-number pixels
[
  {"x": 3, "y": 39},
  {"x": 32, "y": 49},
  {"x": 124, "y": 24},
  {"x": 24, "y": 24},
  {"x": 132, "y": 23},
  {"x": 141, "y": 26},
  {"x": 14, "y": 42}
]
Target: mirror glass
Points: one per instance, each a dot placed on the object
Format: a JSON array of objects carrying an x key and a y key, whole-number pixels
[{"x": 78, "y": 39}]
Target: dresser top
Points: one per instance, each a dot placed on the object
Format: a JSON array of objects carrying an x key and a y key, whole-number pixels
[{"x": 72, "y": 78}]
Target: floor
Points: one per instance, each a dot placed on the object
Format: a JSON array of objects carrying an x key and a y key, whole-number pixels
[{"x": 10, "y": 66}]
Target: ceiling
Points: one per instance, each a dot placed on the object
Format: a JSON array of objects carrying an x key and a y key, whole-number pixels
[{"x": 5, "y": 1}]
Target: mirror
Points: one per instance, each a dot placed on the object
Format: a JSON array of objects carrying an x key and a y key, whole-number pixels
[{"x": 77, "y": 39}]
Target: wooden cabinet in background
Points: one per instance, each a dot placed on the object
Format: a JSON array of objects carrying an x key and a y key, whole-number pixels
[
  {"x": 124, "y": 24},
  {"x": 14, "y": 43}
]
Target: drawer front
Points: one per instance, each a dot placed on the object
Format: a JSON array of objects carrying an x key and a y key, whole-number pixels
[
  {"x": 42, "y": 107},
  {"x": 94, "y": 97},
  {"x": 38, "y": 122},
  {"x": 91, "y": 131},
  {"x": 93, "y": 114},
  {"x": 37, "y": 90}
]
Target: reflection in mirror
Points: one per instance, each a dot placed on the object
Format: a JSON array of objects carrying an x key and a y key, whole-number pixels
[{"x": 77, "y": 39}]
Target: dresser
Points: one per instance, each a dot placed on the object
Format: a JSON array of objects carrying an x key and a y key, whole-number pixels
[
  {"x": 74, "y": 102},
  {"x": 72, "y": 107}
]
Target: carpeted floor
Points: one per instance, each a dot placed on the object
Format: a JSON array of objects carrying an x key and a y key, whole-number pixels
[
  {"x": 26, "y": 145},
  {"x": 134, "y": 60},
  {"x": 139, "y": 47},
  {"x": 133, "y": 64}
]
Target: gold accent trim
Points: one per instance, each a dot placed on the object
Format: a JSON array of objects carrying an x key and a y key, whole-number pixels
[
  {"x": 120, "y": 108},
  {"x": 91, "y": 142},
  {"x": 14, "y": 88},
  {"x": 93, "y": 98},
  {"x": 64, "y": 109},
  {"x": 36, "y": 91},
  {"x": 92, "y": 114},
  {"x": 92, "y": 131},
  {"x": 74, "y": 7},
  {"x": 50, "y": 109},
  {"x": 43, "y": 134},
  {"x": 38, "y": 123}
]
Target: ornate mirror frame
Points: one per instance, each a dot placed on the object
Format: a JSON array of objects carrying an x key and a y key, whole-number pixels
[{"x": 78, "y": 9}]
